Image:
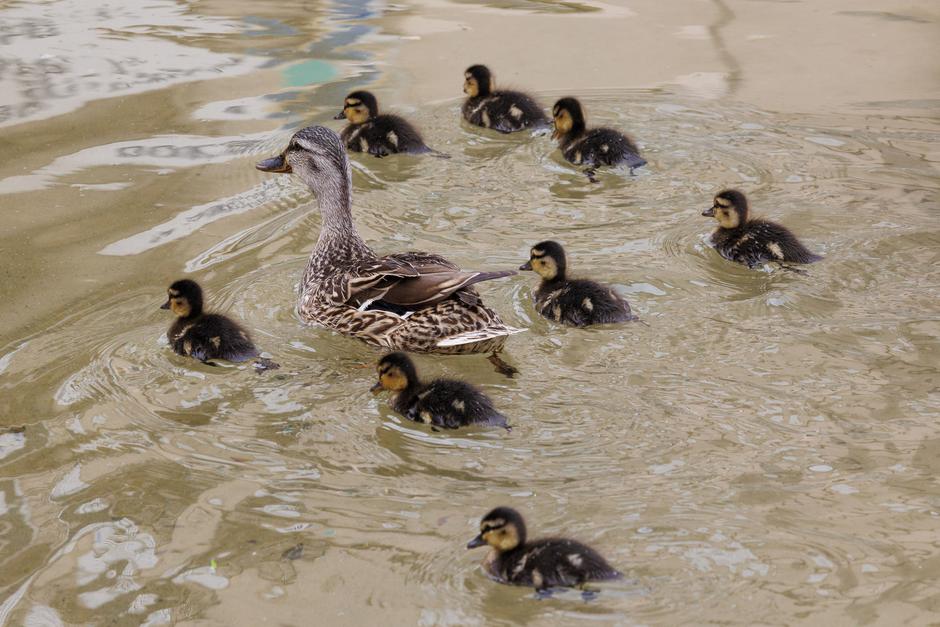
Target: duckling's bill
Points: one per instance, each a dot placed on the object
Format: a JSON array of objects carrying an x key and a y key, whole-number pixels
[
  {"x": 526, "y": 266},
  {"x": 477, "y": 541}
]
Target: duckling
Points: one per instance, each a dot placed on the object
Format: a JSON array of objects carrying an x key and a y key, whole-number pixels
[
  {"x": 543, "y": 564},
  {"x": 378, "y": 135},
  {"x": 575, "y": 302},
  {"x": 752, "y": 241},
  {"x": 503, "y": 111},
  {"x": 206, "y": 336},
  {"x": 443, "y": 403},
  {"x": 592, "y": 147}
]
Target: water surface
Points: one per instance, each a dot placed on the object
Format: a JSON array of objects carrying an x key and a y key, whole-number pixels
[{"x": 762, "y": 450}]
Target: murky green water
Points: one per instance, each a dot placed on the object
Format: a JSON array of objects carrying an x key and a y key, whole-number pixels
[{"x": 763, "y": 450}]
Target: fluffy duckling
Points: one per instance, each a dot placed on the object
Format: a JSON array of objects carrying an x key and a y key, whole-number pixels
[
  {"x": 442, "y": 402},
  {"x": 543, "y": 564},
  {"x": 503, "y": 111},
  {"x": 575, "y": 302},
  {"x": 378, "y": 135},
  {"x": 752, "y": 241},
  {"x": 206, "y": 336},
  {"x": 591, "y": 147}
]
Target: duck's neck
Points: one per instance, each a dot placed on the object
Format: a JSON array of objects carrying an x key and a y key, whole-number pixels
[{"x": 338, "y": 234}]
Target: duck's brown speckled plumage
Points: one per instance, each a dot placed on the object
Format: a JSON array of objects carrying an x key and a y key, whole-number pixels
[{"x": 413, "y": 301}]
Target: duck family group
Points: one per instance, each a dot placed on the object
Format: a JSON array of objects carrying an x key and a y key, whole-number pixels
[{"x": 421, "y": 302}]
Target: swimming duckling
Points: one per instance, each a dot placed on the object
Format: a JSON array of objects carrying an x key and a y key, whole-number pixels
[
  {"x": 575, "y": 302},
  {"x": 503, "y": 111},
  {"x": 442, "y": 402},
  {"x": 592, "y": 147},
  {"x": 378, "y": 135},
  {"x": 544, "y": 563},
  {"x": 206, "y": 336},
  {"x": 752, "y": 241}
]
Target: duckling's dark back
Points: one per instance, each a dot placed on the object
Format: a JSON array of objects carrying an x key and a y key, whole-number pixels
[
  {"x": 211, "y": 336},
  {"x": 604, "y": 146},
  {"x": 505, "y": 111},
  {"x": 551, "y": 562},
  {"x": 759, "y": 241},
  {"x": 384, "y": 134},
  {"x": 451, "y": 404},
  {"x": 581, "y": 302}
]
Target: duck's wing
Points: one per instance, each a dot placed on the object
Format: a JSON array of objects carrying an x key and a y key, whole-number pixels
[{"x": 413, "y": 281}]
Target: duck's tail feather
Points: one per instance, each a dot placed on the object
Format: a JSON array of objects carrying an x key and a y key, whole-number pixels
[{"x": 480, "y": 335}]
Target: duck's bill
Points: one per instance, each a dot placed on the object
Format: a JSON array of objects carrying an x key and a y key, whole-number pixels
[
  {"x": 526, "y": 266},
  {"x": 709, "y": 213},
  {"x": 274, "y": 164},
  {"x": 477, "y": 541},
  {"x": 375, "y": 389},
  {"x": 165, "y": 305},
  {"x": 340, "y": 115}
]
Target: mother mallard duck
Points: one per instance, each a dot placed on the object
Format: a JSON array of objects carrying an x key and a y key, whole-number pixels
[{"x": 412, "y": 301}]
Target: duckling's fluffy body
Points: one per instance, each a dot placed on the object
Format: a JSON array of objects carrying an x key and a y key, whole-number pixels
[
  {"x": 752, "y": 241},
  {"x": 592, "y": 147},
  {"x": 501, "y": 110},
  {"x": 204, "y": 336},
  {"x": 375, "y": 133},
  {"x": 445, "y": 403},
  {"x": 543, "y": 563},
  {"x": 575, "y": 302}
]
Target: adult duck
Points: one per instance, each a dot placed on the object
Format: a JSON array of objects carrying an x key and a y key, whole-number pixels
[{"x": 412, "y": 301}]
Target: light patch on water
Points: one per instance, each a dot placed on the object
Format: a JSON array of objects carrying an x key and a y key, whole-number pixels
[
  {"x": 642, "y": 288},
  {"x": 278, "y": 401},
  {"x": 841, "y": 488},
  {"x": 204, "y": 576},
  {"x": 42, "y": 616},
  {"x": 692, "y": 31},
  {"x": 138, "y": 56},
  {"x": 736, "y": 557},
  {"x": 279, "y": 509},
  {"x": 101, "y": 187},
  {"x": 289, "y": 529},
  {"x": 3, "y": 503},
  {"x": 141, "y": 602},
  {"x": 173, "y": 151},
  {"x": 821, "y": 468},
  {"x": 666, "y": 469},
  {"x": 193, "y": 219},
  {"x": 824, "y": 140},
  {"x": 160, "y": 617},
  {"x": 8, "y": 358},
  {"x": 11, "y": 442},
  {"x": 70, "y": 483},
  {"x": 114, "y": 545},
  {"x": 250, "y": 108},
  {"x": 93, "y": 506}
]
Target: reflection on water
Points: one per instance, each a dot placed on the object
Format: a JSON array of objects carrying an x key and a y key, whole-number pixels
[{"x": 766, "y": 442}]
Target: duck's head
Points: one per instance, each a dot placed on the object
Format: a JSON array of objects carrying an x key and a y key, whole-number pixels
[
  {"x": 548, "y": 260},
  {"x": 478, "y": 81},
  {"x": 730, "y": 209},
  {"x": 396, "y": 373},
  {"x": 184, "y": 298},
  {"x": 315, "y": 154},
  {"x": 503, "y": 529},
  {"x": 568, "y": 118},
  {"x": 358, "y": 108}
]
